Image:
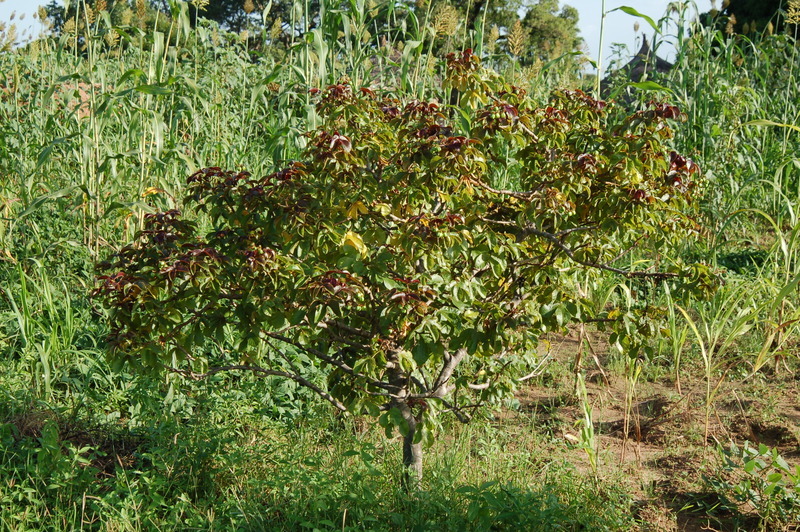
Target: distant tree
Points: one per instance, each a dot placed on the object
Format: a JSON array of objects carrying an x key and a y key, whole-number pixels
[
  {"x": 235, "y": 15},
  {"x": 552, "y": 31},
  {"x": 750, "y": 15},
  {"x": 545, "y": 30},
  {"x": 503, "y": 13}
]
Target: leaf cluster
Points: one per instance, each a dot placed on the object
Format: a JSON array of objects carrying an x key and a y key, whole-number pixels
[{"x": 389, "y": 254}]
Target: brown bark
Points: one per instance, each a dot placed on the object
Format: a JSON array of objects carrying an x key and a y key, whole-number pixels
[{"x": 412, "y": 452}]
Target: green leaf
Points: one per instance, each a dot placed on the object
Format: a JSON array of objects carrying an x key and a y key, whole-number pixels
[
  {"x": 765, "y": 122},
  {"x": 133, "y": 73},
  {"x": 372, "y": 409},
  {"x": 774, "y": 477},
  {"x": 421, "y": 353},
  {"x": 153, "y": 89},
  {"x": 35, "y": 204},
  {"x": 650, "y": 86},
  {"x": 631, "y": 11},
  {"x": 397, "y": 419},
  {"x": 560, "y": 58}
]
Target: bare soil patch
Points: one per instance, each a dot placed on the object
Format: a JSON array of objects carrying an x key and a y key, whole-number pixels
[{"x": 659, "y": 443}]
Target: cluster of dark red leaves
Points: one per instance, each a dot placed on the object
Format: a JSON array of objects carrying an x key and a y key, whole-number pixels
[
  {"x": 418, "y": 109},
  {"x": 257, "y": 258},
  {"x": 163, "y": 228},
  {"x": 679, "y": 163},
  {"x": 456, "y": 144},
  {"x": 663, "y": 110},
  {"x": 390, "y": 111},
  {"x": 332, "y": 283},
  {"x": 463, "y": 61},
  {"x": 432, "y": 131},
  {"x": 586, "y": 100},
  {"x": 326, "y": 145},
  {"x": 217, "y": 177},
  {"x": 339, "y": 93},
  {"x": 554, "y": 116},
  {"x": 680, "y": 170},
  {"x": 114, "y": 283},
  {"x": 186, "y": 263},
  {"x": 586, "y": 162}
]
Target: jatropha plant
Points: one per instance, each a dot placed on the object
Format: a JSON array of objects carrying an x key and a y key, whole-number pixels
[{"x": 391, "y": 256}]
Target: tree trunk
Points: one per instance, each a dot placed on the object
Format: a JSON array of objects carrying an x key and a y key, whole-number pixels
[{"x": 412, "y": 452}]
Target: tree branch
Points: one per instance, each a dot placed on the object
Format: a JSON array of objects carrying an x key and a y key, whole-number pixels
[
  {"x": 330, "y": 360},
  {"x": 352, "y": 330},
  {"x": 571, "y": 254},
  {"x": 440, "y": 388},
  {"x": 555, "y": 239},
  {"x": 262, "y": 371}
]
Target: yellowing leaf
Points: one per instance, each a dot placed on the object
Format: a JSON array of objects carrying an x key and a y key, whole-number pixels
[
  {"x": 635, "y": 176},
  {"x": 354, "y": 240},
  {"x": 152, "y": 190},
  {"x": 356, "y": 209}
]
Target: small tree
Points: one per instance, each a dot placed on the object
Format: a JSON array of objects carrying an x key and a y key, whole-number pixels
[{"x": 391, "y": 255}]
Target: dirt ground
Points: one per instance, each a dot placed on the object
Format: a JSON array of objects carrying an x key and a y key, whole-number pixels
[{"x": 666, "y": 458}]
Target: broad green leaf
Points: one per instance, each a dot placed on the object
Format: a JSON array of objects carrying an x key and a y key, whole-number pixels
[
  {"x": 35, "y": 204},
  {"x": 153, "y": 89},
  {"x": 399, "y": 421},
  {"x": 631, "y": 11},
  {"x": 133, "y": 73},
  {"x": 650, "y": 86}
]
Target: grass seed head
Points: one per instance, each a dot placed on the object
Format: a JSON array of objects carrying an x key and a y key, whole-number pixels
[
  {"x": 731, "y": 25},
  {"x": 517, "y": 39},
  {"x": 127, "y": 17},
  {"x": 491, "y": 39},
  {"x": 793, "y": 12},
  {"x": 445, "y": 21},
  {"x": 69, "y": 26},
  {"x": 276, "y": 30},
  {"x": 141, "y": 12},
  {"x": 111, "y": 38}
]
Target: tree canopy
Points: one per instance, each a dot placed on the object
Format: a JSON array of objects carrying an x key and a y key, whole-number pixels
[
  {"x": 393, "y": 255},
  {"x": 553, "y": 31},
  {"x": 746, "y": 16}
]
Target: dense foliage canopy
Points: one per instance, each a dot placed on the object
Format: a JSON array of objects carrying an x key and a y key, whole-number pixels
[
  {"x": 746, "y": 16},
  {"x": 391, "y": 253}
]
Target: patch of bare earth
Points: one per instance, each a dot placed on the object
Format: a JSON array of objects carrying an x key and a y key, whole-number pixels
[
  {"x": 107, "y": 451},
  {"x": 658, "y": 446}
]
